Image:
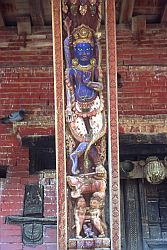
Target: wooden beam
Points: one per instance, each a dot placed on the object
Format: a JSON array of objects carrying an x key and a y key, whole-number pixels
[
  {"x": 36, "y": 12},
  {"x": 126, "y": 11},
  {"x": 22, "y": 7},
  {"x": 142, "y": 151},
  {"x": 2, "y": 22},
  {"x": 134, "y": 146},
  {"x": 138, "y": 24},
  {"x": 143, "y": 139},
  {"x": 23, "y": 25},
  {"x": 164, "y": 15}
]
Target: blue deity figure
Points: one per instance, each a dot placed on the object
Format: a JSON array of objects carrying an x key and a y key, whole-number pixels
[{"x": 85, "y": 106}]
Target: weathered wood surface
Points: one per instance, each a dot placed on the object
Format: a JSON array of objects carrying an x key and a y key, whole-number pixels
[
  {"x": 21, "y": 220},
  {"x": 143, "y": 138}
]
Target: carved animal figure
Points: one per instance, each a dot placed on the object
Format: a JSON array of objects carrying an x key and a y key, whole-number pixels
[{"x": 86, "y": 185}]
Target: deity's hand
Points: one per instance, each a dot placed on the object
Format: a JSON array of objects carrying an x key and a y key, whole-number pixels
[
  {"x": 69, "y": 116},
  {"x": 98, "y": 86}
]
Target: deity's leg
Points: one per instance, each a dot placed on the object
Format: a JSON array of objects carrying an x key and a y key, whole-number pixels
[
  {"x": 74, "y": 156},
  {"x": 94, "y": 155},
  {"x": 98, "y": 224}
]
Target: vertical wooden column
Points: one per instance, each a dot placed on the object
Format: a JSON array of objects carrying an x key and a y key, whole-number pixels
[
  {"x": 59, "y": 125},
  {"x": 113, "y": 125}
]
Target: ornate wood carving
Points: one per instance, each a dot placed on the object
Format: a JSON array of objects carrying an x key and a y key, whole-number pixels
[
  {"x": 83, "y": 7},
  {"x": 132, "y": 216},
  {"x": 59, "y": 125},
  {"x": 113, "y": 125},
  {"x": 149, "y": 206}
]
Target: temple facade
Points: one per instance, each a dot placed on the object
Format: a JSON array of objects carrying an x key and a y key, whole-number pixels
[{"x": 83, "y": 124}]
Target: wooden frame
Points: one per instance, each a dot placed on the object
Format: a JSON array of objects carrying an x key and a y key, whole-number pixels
[{"x": 113, "y": 150}]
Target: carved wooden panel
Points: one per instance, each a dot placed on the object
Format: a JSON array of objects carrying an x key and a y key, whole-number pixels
[
  {"x": 132, "y": 221},
  {"x": 144, "y": 215}
]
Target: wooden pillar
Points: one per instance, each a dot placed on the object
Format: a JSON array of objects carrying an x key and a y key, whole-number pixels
[
  {"x": 113, "y": 125},
  {"x": 59, "y": 126}
]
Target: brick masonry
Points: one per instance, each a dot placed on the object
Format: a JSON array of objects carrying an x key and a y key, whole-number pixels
[
  {"x": 142, "y": 63},
  {"x": 26, "y": 81}
]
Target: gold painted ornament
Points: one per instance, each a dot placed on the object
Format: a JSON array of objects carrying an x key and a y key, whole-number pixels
[
  {"x": 83, "y": 9},
  {"x": 75, "y": 62},
  {"x": 93, "y": 61}
]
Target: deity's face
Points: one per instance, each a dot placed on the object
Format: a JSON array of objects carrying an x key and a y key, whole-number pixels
[
  {"x": 94, "y": 203},
  {"x": 81, "y": 203},
  {"x": 84, "y": 53}
]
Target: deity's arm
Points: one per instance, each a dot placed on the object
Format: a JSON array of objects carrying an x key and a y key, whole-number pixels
[
  {"x": 96, "y": 82},
  {"x": 67, "y": 52},
  {"x": 98, "y": 74},
  {"x": 96, "y": 53},
  {"x": 69, "y": 94}
]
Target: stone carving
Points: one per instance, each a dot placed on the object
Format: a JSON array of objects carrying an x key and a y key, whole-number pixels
[
  {"x": 86, "y": 122},
  {"x": 32, "y": 233},
  {"x": 33, "y": 204},
  {"x": 32, "y": 220}
]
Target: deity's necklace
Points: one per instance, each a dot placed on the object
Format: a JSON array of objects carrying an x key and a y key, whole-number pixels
[{"x": 84, "y": 68}]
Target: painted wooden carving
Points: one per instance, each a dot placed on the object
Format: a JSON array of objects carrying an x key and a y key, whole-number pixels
[{"x": 85, "y": 119}]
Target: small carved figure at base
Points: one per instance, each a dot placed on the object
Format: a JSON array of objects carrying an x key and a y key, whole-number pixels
[
  {"x": 95, "y": 216},
  {"x": 88, "y": 231},
  {"x": 79, "y": 213}
]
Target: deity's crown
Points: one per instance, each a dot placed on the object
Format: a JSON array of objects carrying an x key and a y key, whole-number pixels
[{"x": 83, "y": 33}]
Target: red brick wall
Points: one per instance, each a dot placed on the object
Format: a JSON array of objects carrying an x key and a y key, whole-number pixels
[
  {"x": 142, "y": 63},
  {"x": 26, "y": 81}
]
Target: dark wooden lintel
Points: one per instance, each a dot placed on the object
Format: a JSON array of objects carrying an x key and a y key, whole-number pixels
[
  {"x": 22, "y": 220},
  {"x": 39, "y": 141},
  {"x": 36, "y": 11},
  {"x": 143, "y": 138},
  {"x": 139, "y": 146},
  {"x": 126, "y": 11},
  {"x": 164, "y": 15}
]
